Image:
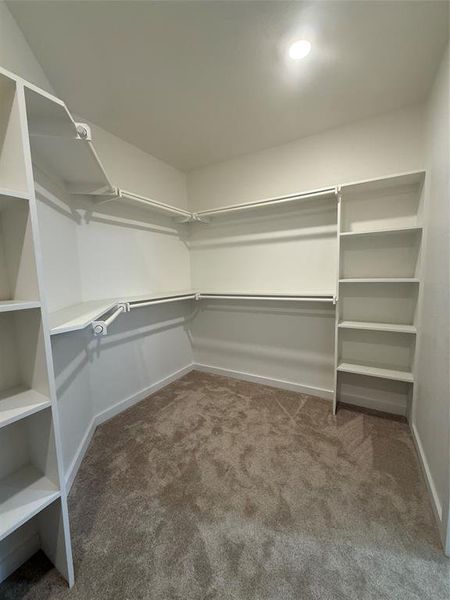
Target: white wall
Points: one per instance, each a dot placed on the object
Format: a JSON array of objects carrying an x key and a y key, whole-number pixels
[
  {"x": 431, "y": 416},
  {"x": 376, "y": 147},
  {"x": 16, "y": 55},
  {"x": 136, "y": 171},
  {"x": 285, "y": 250}
]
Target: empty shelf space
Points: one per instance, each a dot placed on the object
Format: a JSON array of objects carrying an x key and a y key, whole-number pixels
[
  {"x": 22, "y": 495},
  {"x": 380, "y": 280},
  {"x": 11, "y": 305},
  {"x": 382, "y": 372},
  {"x": 18, "y": 403},
  {"x": 58, "y": 150},
  {"x": 78, "y": 316},
  {"x": 381, "y": 231},
  {"x": 370, "y": 326}
]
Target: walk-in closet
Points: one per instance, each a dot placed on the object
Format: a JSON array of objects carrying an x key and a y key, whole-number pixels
[{"x": 224, "y": 300}]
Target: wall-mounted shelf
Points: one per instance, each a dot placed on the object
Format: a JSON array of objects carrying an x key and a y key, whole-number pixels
[
  {"x": 381, "y": 372},
  {"x": 22, "y": 495},
  {"x": 12, "y": 305},
  {"x": 78, "y": 316},
  {"x": 386, "y": 231},
  {"x": 60, "y": 148},
  {"x": 380, "y": 280},
  {"x": 19, "y": 403},
  {"x": 370, "y": 326}
]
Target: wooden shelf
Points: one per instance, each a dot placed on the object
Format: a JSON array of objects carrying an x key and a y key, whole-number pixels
[
  {"x": 380, "y": 280},
  {"x": 22, "y": 495},
  {"x": 78, "y": 316},
  {"x": 387, "y": 231},
  {"x": 11, "y": 305},
  {"x": 370, "y": 326},
  {"x": 381, "y": 372},
  {"x": 18, "y": 403}
]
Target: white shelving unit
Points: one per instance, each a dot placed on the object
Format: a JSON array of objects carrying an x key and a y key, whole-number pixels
[
  {"x": 379, "y": 275},
  {"x": 32, "y": 491}
]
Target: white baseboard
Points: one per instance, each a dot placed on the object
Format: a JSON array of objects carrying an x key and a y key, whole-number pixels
[
  {"x": 276, "y": 383},
  {"x": 114, "y": 410},
  {"x": 18, "y": 554},
  {"x": 435, "y": 502}
]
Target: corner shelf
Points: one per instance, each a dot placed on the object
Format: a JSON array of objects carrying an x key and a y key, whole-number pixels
[
  {"x": 19, "y": 403},
  {"x": 23, "y": 494},
  {"x": 381, "y": 372},
  {"x": 57, "y": 147},
  {"x": 371, "y": 326}
]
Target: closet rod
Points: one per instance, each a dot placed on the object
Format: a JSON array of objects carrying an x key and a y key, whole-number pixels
[
  {"x": 268, "y": 297},
  {"x": 161, "y": 301},
  {"x": 120, "y": 194},
  {"x": 268, "y": 202}
]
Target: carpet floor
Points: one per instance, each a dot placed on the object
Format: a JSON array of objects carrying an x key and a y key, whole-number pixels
[{"x": 220, "y": 489}]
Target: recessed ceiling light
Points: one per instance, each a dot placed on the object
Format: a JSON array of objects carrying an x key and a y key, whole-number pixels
[{"x": 299, "y": 49}]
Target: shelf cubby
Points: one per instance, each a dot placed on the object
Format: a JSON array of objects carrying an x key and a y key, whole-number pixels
[
  {"x": 382, "y": 255},
  {"x": 28, "y": 470},
  {"x": 18, "y": 280},
  {"x": 388, "y": 303},
  {"x": 23, "y": 374},
  {"x": 384, "y": 354},
  {"x": 373, "y": 392},
  {"x": 392, "y": 203},
  {"x": 12, "y": 157}
]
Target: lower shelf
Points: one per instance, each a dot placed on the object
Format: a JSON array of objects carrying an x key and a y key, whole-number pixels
[
  {"x": 22, "y": 495},
  {"x": 18, "y": 403},
  {"x": 383, "y": 373}
]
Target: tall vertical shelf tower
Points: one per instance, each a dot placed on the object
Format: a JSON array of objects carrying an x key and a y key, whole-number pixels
[
  {"x": 33, "y": 503},
  {"x": 380, "y": 235}
]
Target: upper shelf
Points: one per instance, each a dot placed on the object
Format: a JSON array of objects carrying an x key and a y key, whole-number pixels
[{"x": 62, "y": 148}]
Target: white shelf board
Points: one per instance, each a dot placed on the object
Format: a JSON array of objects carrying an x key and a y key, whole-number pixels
[
  {"x": 7, "y": 193},
  {"x": 387, "y": 231},
  {"x": 18, "y": 403},
  {"x": 381, "y": 372},
  {"x": 370, "y": 326},
  {"x": 414, "y": 178},
  {"x": 380, "y": 280},
  {"x": 78, "y": 316},
  {"x": 57, "y": 149},
  {"x": 291, "y": 294},
  {"x": 22, "y": 495},
  {"x": 10, "y": 305}
]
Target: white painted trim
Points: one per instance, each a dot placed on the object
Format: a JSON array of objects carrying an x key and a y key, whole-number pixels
[
  {"x": 276, "y": 383},
  {"x": 435, "y": 502},
  {"x": 111, "y": 412},
  {"x": 18, "y": 555}
]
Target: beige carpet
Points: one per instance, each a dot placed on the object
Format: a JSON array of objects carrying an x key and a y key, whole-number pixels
[{"x": 220, "y": 489}]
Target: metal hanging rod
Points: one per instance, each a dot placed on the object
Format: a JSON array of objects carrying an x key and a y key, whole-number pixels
[
  {"x": 281, "y": 298},
  {"x": 161, "y": 300},
  {"x": 330, "y": 192},
  {"x": 120, "y": 194},
  {"x": 101, "y": 327}
]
